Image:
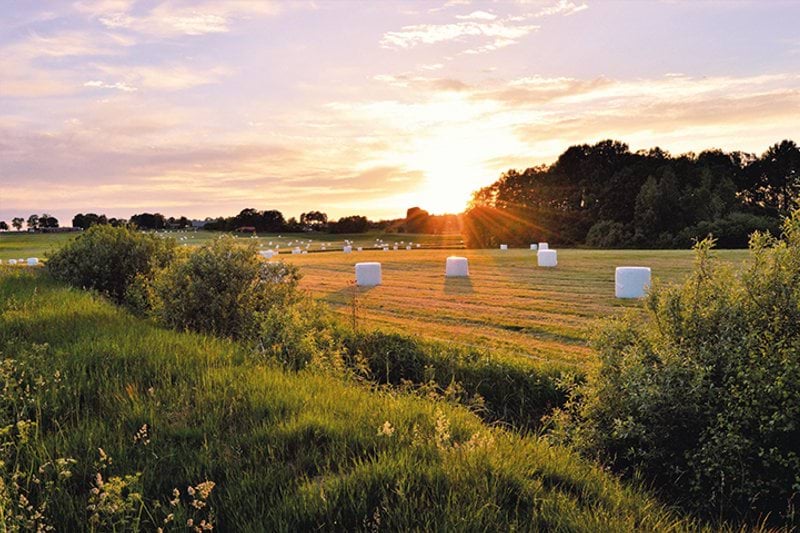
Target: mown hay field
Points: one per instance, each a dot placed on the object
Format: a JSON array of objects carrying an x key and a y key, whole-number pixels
[{"x": 508, "y": 305}]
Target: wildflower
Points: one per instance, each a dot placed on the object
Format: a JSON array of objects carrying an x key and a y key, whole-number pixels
[
  {"x": 386, "y": 430},
  {"x": 205, "y": 489},
  {"x": 142, "y": 435}
]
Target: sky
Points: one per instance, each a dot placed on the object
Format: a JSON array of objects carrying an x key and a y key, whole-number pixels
[{"x": 203, "y": 108}]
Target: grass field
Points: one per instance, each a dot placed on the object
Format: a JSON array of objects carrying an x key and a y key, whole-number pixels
[
  {"x": 507, "y": 304},
  {"x": 287, "y": 451},
  {"x": 20, "y": 245}
]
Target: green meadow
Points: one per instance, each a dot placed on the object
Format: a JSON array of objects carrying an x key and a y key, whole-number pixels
[{"x": 133, "y": 415}]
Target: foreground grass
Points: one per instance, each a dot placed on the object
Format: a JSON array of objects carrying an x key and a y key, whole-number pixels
[{"x": 287, "y": 451}]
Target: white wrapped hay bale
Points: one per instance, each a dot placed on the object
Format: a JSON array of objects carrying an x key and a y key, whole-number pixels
[
  {"x": 359, "y": 249},
  {"x": 632, "y": 282},
  {"x": 266, "y": 254},
  {"x": 12, "y": 262},
  {"x": 296, "y": 251},
  {"x": 394, "y": 247},
  {"x": 534, "y": 247},
  {"x": 347, "y": 249},
  {"x": 504, "y": 247},
  {"x": 368, "y": 274},
  {"x": 33, "y": 261},
  {"x": 546, "y": 258},
  {"x": 408, "y": 247},
  {"x": 543, "y": 246},
  {"x": 456, "y": 267}
]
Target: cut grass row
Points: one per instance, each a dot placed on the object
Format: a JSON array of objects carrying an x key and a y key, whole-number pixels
[
  {"x": 508, "y": 306},
  {"x": 289, "y": 451}
]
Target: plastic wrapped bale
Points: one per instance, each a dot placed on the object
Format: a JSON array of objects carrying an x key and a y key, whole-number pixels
[
  {"x": 543, "y": 246},
  {"x": 534, "y": 247},
  {"x": 632, "y": 282},
  {"x": 394, "y": 247},
  {"x": 504, "y": 247},
  {"x": 347, "y": 249},
  {"x": 456, "y": 267},
  {"x": 296, "y": 250},
  {"x": 359, "y": 249},
  {"x": 368, "y": 274},
  {"x": 546, "y": 258},
  {"x": 12, "y": 261},
  {"x": 408, "y": 247},
  {"x": 33, "y": 261},
  {"x": 266, "y": 254}
]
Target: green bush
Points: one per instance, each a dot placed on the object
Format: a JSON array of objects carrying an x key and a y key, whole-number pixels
[
  {"x": 701, "y": 395},
  {"x": 222, "y": 288},
  {"x": 110, "y": 260},
  {"x": 609, "y": 234},
  {"x": 732, "y": 231}
]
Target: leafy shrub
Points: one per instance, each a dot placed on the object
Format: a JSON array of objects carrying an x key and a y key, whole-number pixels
[
  {"x": 608, "y": 234},
  {"x": 303, "y": 333},
  {"x": 733, "y": 231},
  {"x": 109, "y": 259},
  {"x": 702, "y": 393},
  {"x": 222, "y": 288}
]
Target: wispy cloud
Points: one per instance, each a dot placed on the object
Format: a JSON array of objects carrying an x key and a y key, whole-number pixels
[
  {"x": 496, "y": 34},
  {"x": 562, "y": 7},
  {"x": 484, "y": 30},
  {"x": 103, "y": 85},
  {"x": 171, "y": 19}
]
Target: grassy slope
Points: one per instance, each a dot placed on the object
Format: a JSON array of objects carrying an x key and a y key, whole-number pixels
[
  {"x": 287, "y": 451},
  {"x": 507, "y": 305}
]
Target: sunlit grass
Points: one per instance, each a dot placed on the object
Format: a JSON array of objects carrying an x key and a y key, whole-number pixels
[
  {"x": 287, "y": 451},
  {"x": 508, "y": 305}
]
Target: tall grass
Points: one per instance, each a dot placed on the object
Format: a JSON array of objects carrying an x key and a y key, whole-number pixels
[{"x": 287, "y": 450}]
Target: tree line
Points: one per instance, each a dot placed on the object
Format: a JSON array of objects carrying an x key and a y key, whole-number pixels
[
  {"x": 606, "y": 196},
  {"x": 34, "y": 222}
]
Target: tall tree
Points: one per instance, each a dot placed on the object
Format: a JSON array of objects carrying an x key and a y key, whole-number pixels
[
  {"x": 17, "y": 222},
  {"x": 3, "y": 225}
]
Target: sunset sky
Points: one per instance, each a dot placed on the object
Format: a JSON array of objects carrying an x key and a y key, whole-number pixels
[{"x": 205, "y": 108}]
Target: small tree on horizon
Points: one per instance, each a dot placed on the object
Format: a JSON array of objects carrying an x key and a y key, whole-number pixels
[
  {"x": 17, "y": 223},
  {"x": 33, "y": 222}
]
